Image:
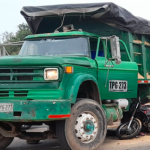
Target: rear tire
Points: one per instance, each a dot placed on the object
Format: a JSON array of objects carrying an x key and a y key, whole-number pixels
[
  {"x": 5, "y": 142},
  {"x": 91, "y": 115},
  {"x": 123, "y": 134}
]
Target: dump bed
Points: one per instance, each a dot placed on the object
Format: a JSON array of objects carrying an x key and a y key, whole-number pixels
[
  {"x": 105, "y": 19},
  {"x": 139, "y": 47}
]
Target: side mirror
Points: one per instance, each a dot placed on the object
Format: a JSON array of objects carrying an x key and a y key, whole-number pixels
[{"x": 115, "y": 49}]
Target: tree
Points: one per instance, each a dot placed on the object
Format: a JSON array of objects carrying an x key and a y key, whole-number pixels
[
  {"x": 7, "y": 37},
  {"x": 22, "y": 32}
]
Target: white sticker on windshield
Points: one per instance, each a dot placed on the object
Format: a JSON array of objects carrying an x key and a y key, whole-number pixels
[
  {"x": 48, "y": 40},
  {"x": 41, "y": 41}
]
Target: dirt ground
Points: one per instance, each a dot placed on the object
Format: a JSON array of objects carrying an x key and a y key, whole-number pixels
[
  {"x": 111, "y": 143},
  {"x": 140, "y": 143}
]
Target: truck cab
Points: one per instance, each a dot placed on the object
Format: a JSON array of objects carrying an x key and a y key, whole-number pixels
[{"x": 96, "y": 51}]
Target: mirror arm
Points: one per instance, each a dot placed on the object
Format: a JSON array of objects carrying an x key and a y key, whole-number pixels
[
  {"x": 109, "y": 60},
  {"x": 98, "y": 45}
]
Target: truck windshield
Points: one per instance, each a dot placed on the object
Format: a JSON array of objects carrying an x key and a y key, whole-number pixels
[{"x": 49, "y": 47}]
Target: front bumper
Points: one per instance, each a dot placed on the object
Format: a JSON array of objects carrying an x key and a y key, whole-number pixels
[{"x": 36, "y": 110}]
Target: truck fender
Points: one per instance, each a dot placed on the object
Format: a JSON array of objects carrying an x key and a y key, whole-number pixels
[{"x": 74, "y": 84}]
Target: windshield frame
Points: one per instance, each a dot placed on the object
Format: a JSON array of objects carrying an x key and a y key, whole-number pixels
[{"x": 38, "y": 39}]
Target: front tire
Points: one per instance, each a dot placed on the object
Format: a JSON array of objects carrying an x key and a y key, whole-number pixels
[
  {"x": 5, "y": 142},
  {"x": 85, "y": 129}
]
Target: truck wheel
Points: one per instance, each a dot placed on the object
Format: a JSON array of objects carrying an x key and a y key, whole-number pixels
[
  {"x": 85, "y": 129},
  {"x": 5, "y": 141}
]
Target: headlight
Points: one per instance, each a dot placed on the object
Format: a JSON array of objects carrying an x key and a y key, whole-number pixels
[{"x": 51, "y": 74}]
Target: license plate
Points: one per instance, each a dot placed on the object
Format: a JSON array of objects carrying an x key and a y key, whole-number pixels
[
  {"x": 6, "y": 107},
  {"x": 118, "y": 86}
]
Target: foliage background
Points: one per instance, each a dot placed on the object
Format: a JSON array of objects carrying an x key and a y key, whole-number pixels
[{"x": 22, "y": 32}]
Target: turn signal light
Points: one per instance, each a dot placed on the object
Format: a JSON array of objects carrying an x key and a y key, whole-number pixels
[{"x": 69, "y": 69}]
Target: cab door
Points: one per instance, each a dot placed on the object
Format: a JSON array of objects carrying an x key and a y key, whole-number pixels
[{"x": 116, "y": 81}]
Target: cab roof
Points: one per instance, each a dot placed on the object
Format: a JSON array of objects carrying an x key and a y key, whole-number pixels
[{"x": 62, "y": 34}]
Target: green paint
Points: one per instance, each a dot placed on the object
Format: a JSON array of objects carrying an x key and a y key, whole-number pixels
[
  {"x": 144, "y": 57},
  {"x": 126, "y": 49},
  {"x": 37, "y": 98},
  {"x": 76, "y": 81},
  {"x": 62, "y": 34},
  {"x": 35, "y": 110},
  {"x": 112, "y": 110}
]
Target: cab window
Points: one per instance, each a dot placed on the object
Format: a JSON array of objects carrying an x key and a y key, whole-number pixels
[{"x": 93, "y": 48}]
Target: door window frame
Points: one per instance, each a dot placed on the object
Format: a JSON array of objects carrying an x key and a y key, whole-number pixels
[{"x": 98, "y": 45}]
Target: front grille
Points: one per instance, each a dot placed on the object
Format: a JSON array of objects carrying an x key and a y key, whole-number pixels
[
  {"x": 24, "y": 71},
  {"x": 17, "y": 82},
  {"x": 4, "y": 77},
  {"x": 19, "y": 74},
  {"x": 23, "y": 78},
  {"x": 4, "y": 71},
  {"x": 13, "y": 93},
  {"x": 20, "y": 93},
  {"x": 4, "y": 93}
]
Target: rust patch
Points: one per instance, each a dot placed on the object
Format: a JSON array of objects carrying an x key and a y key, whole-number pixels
[{"x": 33, "y": 113}]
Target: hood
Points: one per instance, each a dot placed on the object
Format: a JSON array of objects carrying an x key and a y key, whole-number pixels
[{"x": 43, "y": 60}]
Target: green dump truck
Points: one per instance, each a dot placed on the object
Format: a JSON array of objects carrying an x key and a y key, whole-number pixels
[{"x": 71, "y": 72}]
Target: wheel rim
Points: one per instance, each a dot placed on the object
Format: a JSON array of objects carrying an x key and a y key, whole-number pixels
[{"x": 86, "y": 127}]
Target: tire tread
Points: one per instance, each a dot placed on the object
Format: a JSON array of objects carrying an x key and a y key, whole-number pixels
[{"x": 60, "y": 126}]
